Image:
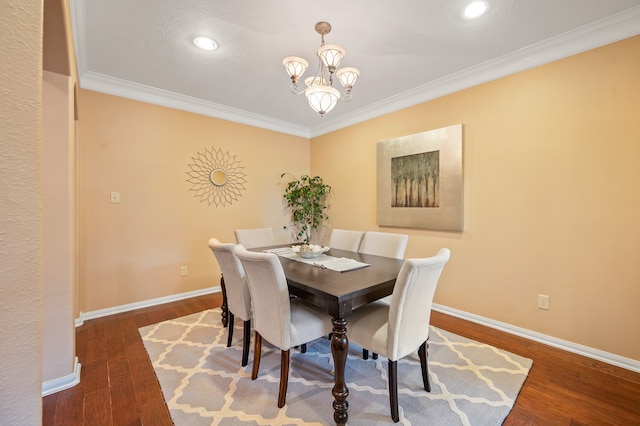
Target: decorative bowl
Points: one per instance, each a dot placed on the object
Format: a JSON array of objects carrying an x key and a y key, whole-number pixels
[{"x": 309, "y": 251}]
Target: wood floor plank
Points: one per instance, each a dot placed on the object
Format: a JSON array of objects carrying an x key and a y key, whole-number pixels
[
  {"x": 124, "y": 406},
  {"x": 96, "y": 344},
  {"x": 95, "y": 374},
  {"x": 119, "y": 387},
  {"x": 147, "y": 391},
  {"x": 81, "y": 344},
  {"x": 69, "y": 407},
  {"x": 49, "y": 408},
  {"x": 129, "y": 328},
  {"x": 97, "y": 408}
]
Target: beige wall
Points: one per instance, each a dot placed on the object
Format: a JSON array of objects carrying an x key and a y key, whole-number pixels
[
  {"x": 552, "y": 204},
  {"x": 20, "y": 222},
  {"x": 133, "y": 251},
  {"x": 550, "y": 199}
]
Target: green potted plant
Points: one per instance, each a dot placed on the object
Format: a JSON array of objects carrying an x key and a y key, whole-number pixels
[{"x": 306, "y": 198}]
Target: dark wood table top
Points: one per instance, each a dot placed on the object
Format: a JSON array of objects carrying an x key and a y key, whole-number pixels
[{"x": 341, "y": 292}]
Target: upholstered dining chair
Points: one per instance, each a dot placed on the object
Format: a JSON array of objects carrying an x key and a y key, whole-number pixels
[
  {"x": 345, "y": 239},
  {"x": 383, "y": 244},
  {"x": 236, "y": 290},
  {"x": 255, "y": 237},
  {"x": 396, "y": 330},
  {"x": 282, "y": 321}
]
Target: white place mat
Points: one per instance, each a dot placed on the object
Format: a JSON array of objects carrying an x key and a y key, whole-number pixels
[{"x": 338, "y": 264}]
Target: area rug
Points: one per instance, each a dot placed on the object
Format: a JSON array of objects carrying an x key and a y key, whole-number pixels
[{"x": 204, "y": 384}]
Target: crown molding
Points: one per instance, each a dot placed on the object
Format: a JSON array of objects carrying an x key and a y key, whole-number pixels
[
  {"x": 140, "y": 92},
  {"x": 605, "y": 31},
  {"x": 118, "y": 87}
]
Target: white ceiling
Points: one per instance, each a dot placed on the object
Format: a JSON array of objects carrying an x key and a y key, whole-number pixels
[{"x": 408, "y": 51}]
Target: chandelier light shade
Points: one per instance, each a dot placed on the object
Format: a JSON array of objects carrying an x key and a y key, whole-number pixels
[
  {"x": 322, "y": 98},
  {"x": 348, "y": 77},
  {"x": 320, "y": 93},
  {"x": 331, "y": 55},
  {"x": 295, "y": 67}
]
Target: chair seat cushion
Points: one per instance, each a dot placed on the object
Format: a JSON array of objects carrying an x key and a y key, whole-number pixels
[
  {"x": 307, "y": 323},
  {"x": 367, "y": 327}
]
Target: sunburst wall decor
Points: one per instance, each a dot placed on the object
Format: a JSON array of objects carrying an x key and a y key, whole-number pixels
[{"x": 216, "y": 177}]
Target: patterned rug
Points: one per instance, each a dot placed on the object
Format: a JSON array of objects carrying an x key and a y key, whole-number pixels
[{"x": 204, "y": 384}]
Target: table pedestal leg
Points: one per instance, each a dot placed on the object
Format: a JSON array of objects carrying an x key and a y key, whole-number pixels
[
  {"x": 223, "y": 308},
  {"x": 339, "y": 347}
]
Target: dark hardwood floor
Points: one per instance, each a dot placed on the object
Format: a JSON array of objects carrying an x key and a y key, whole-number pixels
[{"x": 119, "y": 387}]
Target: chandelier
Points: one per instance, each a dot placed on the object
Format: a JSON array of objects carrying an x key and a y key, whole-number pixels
[{"x": 320, "y": 93}]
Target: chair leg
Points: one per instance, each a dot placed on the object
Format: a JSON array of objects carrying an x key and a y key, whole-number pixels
[
  {"x": 365, "y": 354},
  {"x": 256, "y": 356},
  {"x": 393, "y": 390},
  {"x": 422, "y": 352},
  {"x": 224, "y": 308},
  {"x": 245, "y": 343},
  {"x": 284, "y": 377},
  {"x": 230, "y": 338}
]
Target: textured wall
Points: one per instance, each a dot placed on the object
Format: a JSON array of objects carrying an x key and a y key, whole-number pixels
[{"x": 20, "y": 194}]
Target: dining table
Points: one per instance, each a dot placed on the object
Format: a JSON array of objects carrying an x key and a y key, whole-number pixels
[{"x": 339, "y": 294}]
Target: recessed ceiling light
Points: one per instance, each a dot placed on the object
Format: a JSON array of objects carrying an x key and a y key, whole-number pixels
[
  {"x": 475, "y": 9},
  {"x": 205, "y": 43}
]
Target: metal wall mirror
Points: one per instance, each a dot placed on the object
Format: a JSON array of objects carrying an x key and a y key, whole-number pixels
[{"x": 218, "y": 177}]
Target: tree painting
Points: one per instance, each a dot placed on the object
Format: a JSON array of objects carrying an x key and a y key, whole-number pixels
[{"x": 415, "y": 180}]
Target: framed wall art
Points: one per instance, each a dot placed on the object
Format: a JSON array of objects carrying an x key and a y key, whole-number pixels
[{"x": 419, "y": 180}]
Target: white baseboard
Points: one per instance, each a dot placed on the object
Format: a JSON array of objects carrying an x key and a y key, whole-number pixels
[
  {"x": 85, "y": 316},
  {"x": 62, "y": 383},
  {"x": 609, "y": 358}
]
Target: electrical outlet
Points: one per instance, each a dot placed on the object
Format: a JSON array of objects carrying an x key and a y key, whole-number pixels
[
  {"x": 543, "y": 301},
  {"x": 184, "y": 271},
  {"x": 115, "y": 197}
]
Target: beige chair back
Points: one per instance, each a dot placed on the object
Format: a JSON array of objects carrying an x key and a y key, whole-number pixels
[
  {"x": 235, "y": 279},
  {"x": 384, "y": 244},
  {"x": 269, "y": 295},
  {"x": 255, "y": 237},
  {"x": 411, "y": 303},
  {"x": 344, "y": 239}
]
